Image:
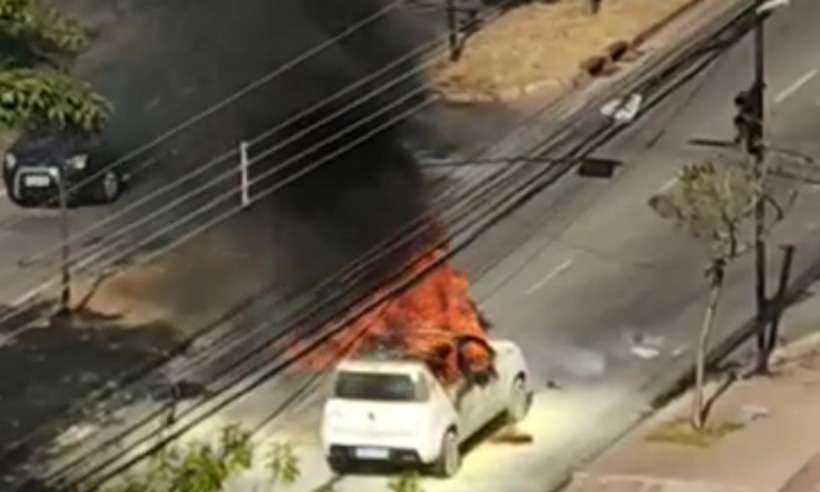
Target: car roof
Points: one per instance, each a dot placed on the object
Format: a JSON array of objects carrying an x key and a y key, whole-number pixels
[
  {"x": 376, "y": 365},
  {"x": 51, "y": 142}
]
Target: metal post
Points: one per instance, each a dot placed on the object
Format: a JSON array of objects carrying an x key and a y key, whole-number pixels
[
  {"x": 452, "y": 29},
  {"x": 780, "y": 297},
  {"x": 755, "y": 147},
  {"x": 243, "y": 171},
  {"x": 65, "y": 296}
]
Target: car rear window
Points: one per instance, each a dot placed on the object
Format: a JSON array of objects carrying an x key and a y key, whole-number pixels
[{"x": 376, "y": 386}]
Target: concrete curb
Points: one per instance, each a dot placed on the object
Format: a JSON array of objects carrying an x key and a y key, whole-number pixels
[
  {"x": 680, "y": 383},
  {"x": 587, "y": 482},
  {"x": 798, "y": 348},
  {"x": 736, "y": 338},
  {"x": 806, "y": 479},
  {"x": 561, "y": 85}
]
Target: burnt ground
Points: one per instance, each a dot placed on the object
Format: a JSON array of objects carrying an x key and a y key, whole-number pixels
[{"x": 57, "y": 362}]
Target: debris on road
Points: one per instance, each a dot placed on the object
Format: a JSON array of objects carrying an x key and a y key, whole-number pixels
[
  {"x": 645, "y": 352},
  {"x": 513, "y": 436},
  {"x": 751, "y": 413},
  {"x": 734, "y": 451}
]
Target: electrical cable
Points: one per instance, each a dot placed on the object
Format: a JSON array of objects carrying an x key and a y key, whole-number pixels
[
  {"x": 135, "y": 246},
  {"x": 226, "y": 370},
  {"x": 359, "y": 262},
  {"x": 31, "y": 295},
  {"x": 267, "y": 133},
  {"x": 235, "y": 96},
  {"x": 266, "y": 343}
]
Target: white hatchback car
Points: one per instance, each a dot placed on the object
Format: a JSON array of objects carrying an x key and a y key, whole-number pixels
[{"x": 393, "y": 411}]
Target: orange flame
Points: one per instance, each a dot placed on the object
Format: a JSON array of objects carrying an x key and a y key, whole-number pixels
[{"x": 423, "y": 322}]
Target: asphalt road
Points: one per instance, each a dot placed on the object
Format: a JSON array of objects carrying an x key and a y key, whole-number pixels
[{"x": 585, "y": 266}]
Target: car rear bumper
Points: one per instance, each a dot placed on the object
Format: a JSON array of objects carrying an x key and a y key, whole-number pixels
[
  {"x": 348, "y": 454},
  {"x": 405, "y": 449}
]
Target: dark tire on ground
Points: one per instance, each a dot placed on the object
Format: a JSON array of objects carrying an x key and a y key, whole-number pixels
[
  {"x": 337, "y": 466},
  {"x": 449, "y": 460},
  {"x": 108, "y": 187}
]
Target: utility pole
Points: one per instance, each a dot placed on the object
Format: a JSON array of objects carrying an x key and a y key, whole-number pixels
[
  {"x": 65, "y": 295},
  {"x": 754, "y": 146}
]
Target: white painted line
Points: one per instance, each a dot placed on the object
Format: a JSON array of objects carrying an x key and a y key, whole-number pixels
[
  {"x": 668, "y": 185},
  {"x": 552, "y": 274},
  {"x": 795, "y": 86},
  {"x": 3, "y": 192}
]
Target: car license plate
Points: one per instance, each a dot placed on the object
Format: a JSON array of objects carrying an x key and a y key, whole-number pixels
[
  {"x": 37, "y": 181},
  {"x": 372, "y": 453}
]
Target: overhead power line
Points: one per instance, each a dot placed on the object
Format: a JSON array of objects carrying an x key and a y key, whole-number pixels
[
  {"x": 21, "y": 304},
  {"x": 236, "y": 95}
]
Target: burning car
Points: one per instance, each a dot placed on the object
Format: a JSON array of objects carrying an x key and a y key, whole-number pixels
[
  {"x": 397, "y": 410},
  {"x": 37, "y": 161}
]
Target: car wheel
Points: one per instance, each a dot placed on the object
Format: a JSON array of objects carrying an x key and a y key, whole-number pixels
[
  {"x": 518, "y": 405},
  {"x": 449, "y": 461},
  {"x": 337, "y": 466},
  {"x": 109, "y": 187}
]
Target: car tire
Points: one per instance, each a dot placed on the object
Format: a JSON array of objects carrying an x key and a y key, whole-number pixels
[
  {"x": 449, "y": 460},
  {"x": 337, "y": 466},
  {"x": 518, "y": 405},
  {"x": 108, "y": 187}
]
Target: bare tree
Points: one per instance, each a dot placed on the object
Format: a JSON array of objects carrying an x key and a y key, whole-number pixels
[
  {"x": 714, "y": 202},
  {"x": 591, "y": 6}
]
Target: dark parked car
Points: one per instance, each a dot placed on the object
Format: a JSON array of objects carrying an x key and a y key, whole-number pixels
[{"x": 36, "y": 161}]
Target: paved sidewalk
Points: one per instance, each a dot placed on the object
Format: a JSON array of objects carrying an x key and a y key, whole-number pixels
[{"x": 769, "y": 439}]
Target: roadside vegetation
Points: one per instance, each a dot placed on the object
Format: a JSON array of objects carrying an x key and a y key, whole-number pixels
[
  {"x": 36, "y": 88},
  {"x": 209, "y": 467},
  {"x": 715, "y": 202}
]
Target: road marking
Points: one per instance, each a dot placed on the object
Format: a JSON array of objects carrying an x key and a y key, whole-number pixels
[
  {"x": 795, "y": 87},
  {"x": 3, "y": 192},
  {"x": 668, "y": 185},
  {"x": 552, "y": 274}
]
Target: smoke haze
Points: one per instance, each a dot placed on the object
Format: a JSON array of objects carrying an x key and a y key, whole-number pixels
[{"x": 161, "y": 61}]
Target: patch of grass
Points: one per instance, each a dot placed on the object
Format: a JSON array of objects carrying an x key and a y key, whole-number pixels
[{"x": 679, "y": 431}]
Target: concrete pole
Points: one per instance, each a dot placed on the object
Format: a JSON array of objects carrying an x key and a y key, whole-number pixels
[{"x": 65, "y": 294}]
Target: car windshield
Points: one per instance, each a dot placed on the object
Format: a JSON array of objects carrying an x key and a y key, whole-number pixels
[
  {"x": 35, "y": 145},
  {"x": 377, "y": 386}
]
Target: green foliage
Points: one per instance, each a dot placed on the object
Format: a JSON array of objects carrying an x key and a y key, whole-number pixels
[
  {"x": 200, "y": 467},
  {"x": 282, "y": 464},
  {"x": 405, "y": 483},
  {"x": 679, "y": 432},
  {"x": 34, "y": 98},
  {"x": 37, "y": 42},
  {"x": 43, "y": 31}
]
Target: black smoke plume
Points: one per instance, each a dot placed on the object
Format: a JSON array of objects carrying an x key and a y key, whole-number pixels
[{"x": 161, "y": 61}]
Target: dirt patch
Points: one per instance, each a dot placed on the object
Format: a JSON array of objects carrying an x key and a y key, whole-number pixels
[
  {"x": 546, "y": 41},
  {"x": 803, "y": 369},
  {"x": 196, "y": 282},
  {"x": 513, "y": 436},
  {"x": 679, "y": 431}
]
